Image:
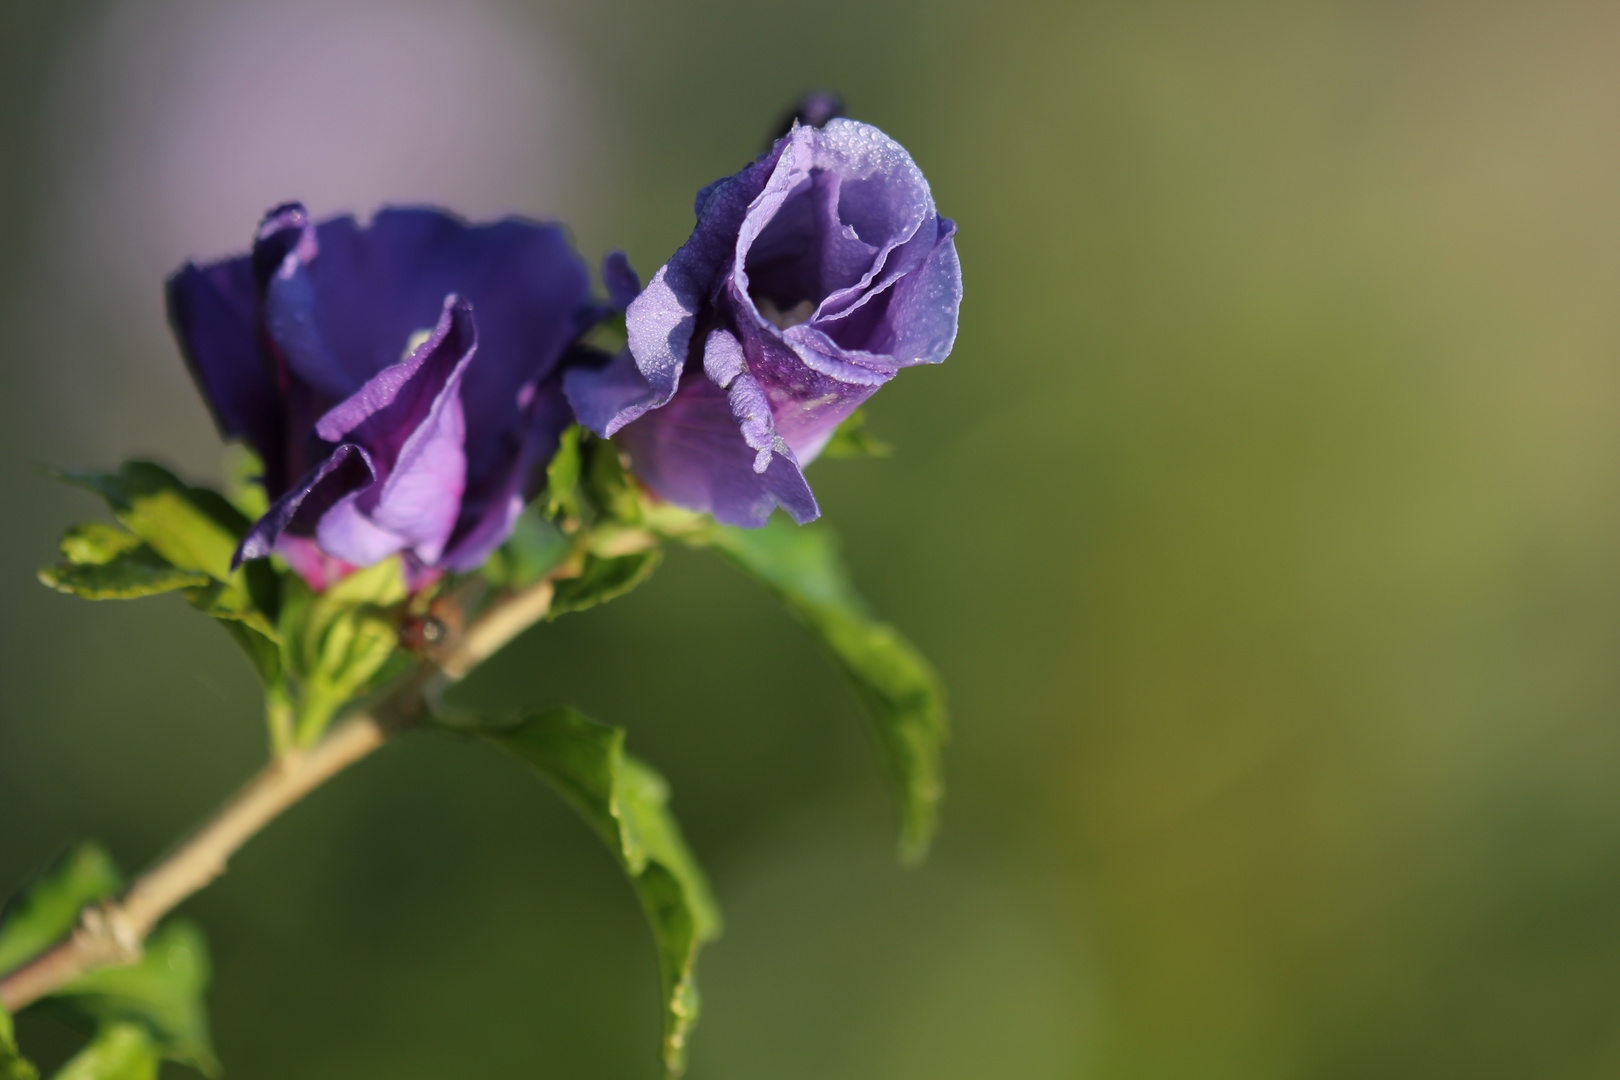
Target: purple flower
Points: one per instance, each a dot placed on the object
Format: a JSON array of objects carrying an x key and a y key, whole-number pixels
[
  {"x": 811, "y": 278},
  {"x": 399, "y": 380}
]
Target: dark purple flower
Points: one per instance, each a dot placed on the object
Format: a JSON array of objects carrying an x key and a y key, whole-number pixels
[
  {"x": 812, "y": 277},
  {"x": 399, "y": 380}
]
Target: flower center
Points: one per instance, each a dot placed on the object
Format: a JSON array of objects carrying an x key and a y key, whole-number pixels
[{"x": 781, "y": 319}]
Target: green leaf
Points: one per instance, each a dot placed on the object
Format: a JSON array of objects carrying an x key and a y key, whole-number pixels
[
  {"x": 118, "y": 1052},
  {"x": 194, "y": 528},
  {"x": 899, "y": 689},
  {"x": 137, "y": 572},
  {"x": 13, "y": 1066},
  {"x": 162, "y": 993},
  {"x": 49, "y": 908},
  {"x": 93, "y": 543},
  {"x": 626, "y": 802},
  {"x": 109, "y": 563},
  {"x": 603, "y": 579},
  {"x": 190, "y": 535},
  {"x": 244, "y": 481},
  {"x": 852, "y": 440}
]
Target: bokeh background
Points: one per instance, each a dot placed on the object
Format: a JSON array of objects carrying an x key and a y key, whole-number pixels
[{"x": 1265, "y": 523}]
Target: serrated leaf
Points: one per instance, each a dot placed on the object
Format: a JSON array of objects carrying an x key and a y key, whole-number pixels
[
  {"x": 851, "y": 440},
  {"x": 49, "y": 908},
  {"x": 13, "y": 1066},
  {"x": 193, "y": 528},
  {"x": 232, "y": 604},
  {"x": 626, "y": 803},
  {"x": 180, "y": 537},
  {"x": 118, "y": 1052},
  {"x": 162, "y": 993},
  {"x": 128, "y": 576},
  {"x": 603, "y": 579},
  {"x": 900, "y": 690}
]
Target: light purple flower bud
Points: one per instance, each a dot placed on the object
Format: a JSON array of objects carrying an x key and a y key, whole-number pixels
[
  {"x": 401, "y": 381},
  {"x": 812, "y": 277}
]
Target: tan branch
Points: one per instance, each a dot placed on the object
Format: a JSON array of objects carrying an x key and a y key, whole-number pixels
[{"x": 111, "y": 933}]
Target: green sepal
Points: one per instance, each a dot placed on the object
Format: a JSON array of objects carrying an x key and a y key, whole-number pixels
[
  {"x": 48, "y": 909},
  {"x": 334, "y": 643},
  {"x": 117, "y": 1052},
  {"x": 587, "y": 483},
  {"x": 899, "y": 689},
  {"x": 851, "y": 440},
  {"x": 162, "y": 993},
  {"x": 626, "y": 803},
  {"x": 535, "y": 548},
  {"x": 13, "y": 1066},
  {"x": 564, "y": 501},
  {"x": 603, "y": 579}
]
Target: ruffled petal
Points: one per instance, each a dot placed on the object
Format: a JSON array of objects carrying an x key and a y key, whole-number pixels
[
  {"x": 409, "y": 417},
  {"x": 692, "y": 452},
  {"x": 346, "y": 470},
  {"x": 661, "y": 320}
]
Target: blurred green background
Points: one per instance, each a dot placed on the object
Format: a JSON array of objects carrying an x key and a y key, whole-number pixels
[{"x": 1265, "y": 524}]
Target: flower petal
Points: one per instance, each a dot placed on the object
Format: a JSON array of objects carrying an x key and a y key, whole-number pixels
[
  {"x": 214, "y": 312},
  {"x": 661, "y": 320},
  {"x": 693, "y": 453},
  {"x": 607, "y": 396},
  {"x": 410, "y": 417},
  {"x": 620, "y": 279},
  {"x": 487, "y": 516},
  {"x": 347, "y": 469}
]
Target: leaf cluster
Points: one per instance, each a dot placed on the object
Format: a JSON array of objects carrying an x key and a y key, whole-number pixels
[
  {"x": 314, "y": 652},
  {"x": 137, "y": 1015},
  {"x": 592, "y": 535}
]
